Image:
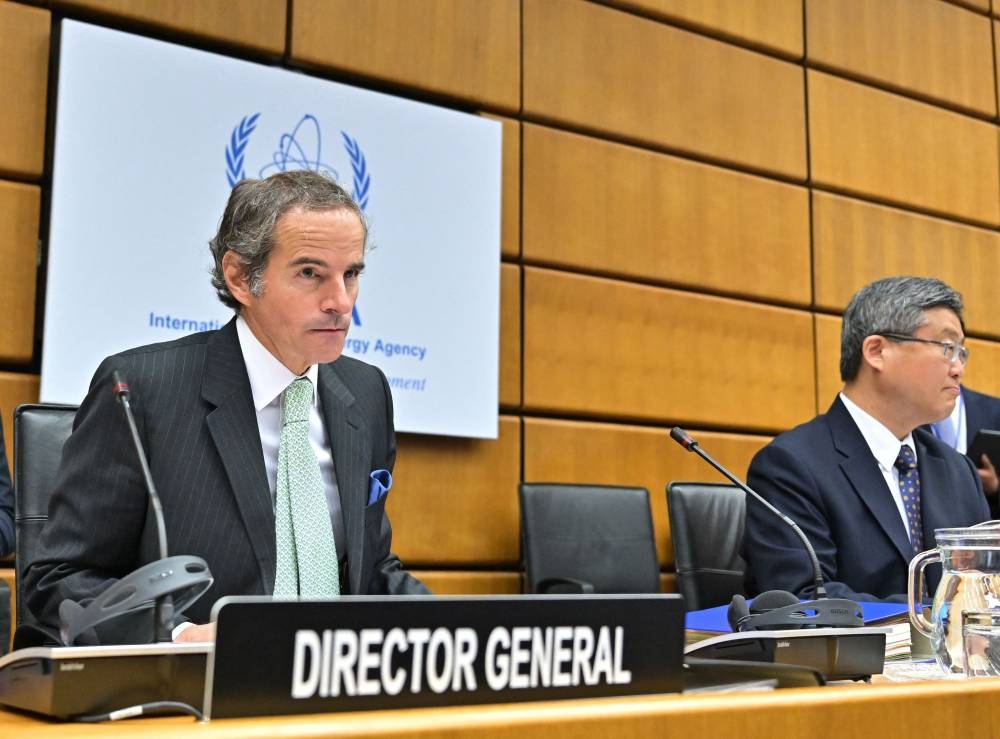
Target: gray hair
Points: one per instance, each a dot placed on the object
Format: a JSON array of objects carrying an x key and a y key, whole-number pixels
[
  {"x": 255, "y": 206},
  {"x": 894, "y": 305}
]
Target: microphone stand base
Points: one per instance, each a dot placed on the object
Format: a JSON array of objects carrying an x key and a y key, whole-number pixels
[
  {"x": 838, "y": 654},
  {"x": 70, "y": 682}
]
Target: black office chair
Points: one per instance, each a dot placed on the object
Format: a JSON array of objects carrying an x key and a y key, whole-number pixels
[
  {"x": 40, "y": 430},
  {"x": 706, "y": 526},
  {"x": 587, "y": 539}
]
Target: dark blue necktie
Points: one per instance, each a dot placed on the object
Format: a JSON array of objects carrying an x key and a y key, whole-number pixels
[{"x": 909, "y": 488}]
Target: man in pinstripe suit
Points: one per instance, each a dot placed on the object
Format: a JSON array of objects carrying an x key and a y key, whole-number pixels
[
  {"x": 6, "y": 503},
  {"x": 288, "y": 257}
]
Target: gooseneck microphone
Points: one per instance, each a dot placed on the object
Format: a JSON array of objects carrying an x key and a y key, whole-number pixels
[
  {"x": 163, "y": 606},
  {"x": 777, "y": 609},
  {"x": 683, "y": 438},
  {"x": 121, "y": 391},
  {"x": 168, "y": 584}
]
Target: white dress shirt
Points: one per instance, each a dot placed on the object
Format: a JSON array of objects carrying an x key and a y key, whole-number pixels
[
  {"x": 885, "y": 447},
  {"x": 268, "y": 380}
]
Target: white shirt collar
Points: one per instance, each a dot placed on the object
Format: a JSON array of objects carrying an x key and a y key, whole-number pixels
[
  {"x": 268, "y": 376},
  {"x": 883, "y": 443}
]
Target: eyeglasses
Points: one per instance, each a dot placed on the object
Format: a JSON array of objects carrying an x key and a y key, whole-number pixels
[{"x": 952, "y": 352}]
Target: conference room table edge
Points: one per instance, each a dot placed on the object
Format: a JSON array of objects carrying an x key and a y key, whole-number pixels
[{"x": 949, "y": 708}]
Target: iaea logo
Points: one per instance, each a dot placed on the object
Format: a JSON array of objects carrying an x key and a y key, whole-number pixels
[{"x": 301, "y": 148}]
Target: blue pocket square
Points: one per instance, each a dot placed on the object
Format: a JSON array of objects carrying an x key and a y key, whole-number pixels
[{"x": 381, "y": 482}]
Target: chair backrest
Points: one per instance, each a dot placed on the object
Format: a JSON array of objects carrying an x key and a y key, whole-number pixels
[
  {"x": 706, "y": 526},
  {"x": 599, "y": 534},
  {"x": 40, "y": 430}
]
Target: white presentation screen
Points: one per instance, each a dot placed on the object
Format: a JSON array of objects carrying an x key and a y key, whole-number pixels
[{"x": 150, "y": 138}]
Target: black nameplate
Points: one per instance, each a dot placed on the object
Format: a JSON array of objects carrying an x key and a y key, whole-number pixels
[{"x": 360, "y": 653}]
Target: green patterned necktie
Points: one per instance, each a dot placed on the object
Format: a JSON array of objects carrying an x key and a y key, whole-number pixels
[{"x": 307, "y": 555}]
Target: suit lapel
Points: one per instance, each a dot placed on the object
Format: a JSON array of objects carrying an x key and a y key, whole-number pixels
[
  {"x": 350, "y": 447},
  {"x": 975, "y": 416},
  {"x": 862, "y": 471},
  {"x": 233, "y": 427}
]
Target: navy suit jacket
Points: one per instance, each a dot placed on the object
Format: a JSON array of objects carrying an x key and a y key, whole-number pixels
[
  {"x": 981, "y": 412},
  {"x": 195, "y": 415},
  {"x": 824, "y": 476}
]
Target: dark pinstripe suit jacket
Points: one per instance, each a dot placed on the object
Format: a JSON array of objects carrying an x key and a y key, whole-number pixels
[
  {"x": 195, "y": 415},
  {"x": 6, "y": 503}
]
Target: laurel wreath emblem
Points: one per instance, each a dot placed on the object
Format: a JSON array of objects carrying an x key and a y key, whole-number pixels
[
  {"x": 236, "y": 149},
  {"x": 362, "y": 180},
  {"x": 236, "y": 156}
]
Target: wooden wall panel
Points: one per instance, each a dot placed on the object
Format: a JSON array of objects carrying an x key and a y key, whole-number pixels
[
  {"x": 926, "y": 47},
  {"x": 510, "y": 335},
  {"x": 983, "y": 6},
  {"x": 879, "y": 144},
  {"x": 15, "y": 389},
  {"x": 615, "y": 454},
  {"x": 775, "y": 25},
  {"x": 251, "y": 24},
  {"x": 598, "y": 206},
  {"x": 510, "y": 223},
  {"x": 602, "y": 347},
  {"x": 24, "y": 69},
  {"x": 855, "y": 243},
  {"x": 607, "y": 348},
  {"x": 604, "y": 70},
  {"x": 466, "y": 582},
  {"x": 461, "y": 48},
  {"x": 828, "y": 382},
  {"x": 19, "y": 214},
  {"x": 454, "y": 501},
  {"x": 982, "y": 373},
  {"x": 996, "y": 58}
]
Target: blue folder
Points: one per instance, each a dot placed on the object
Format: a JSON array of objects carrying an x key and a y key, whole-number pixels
[{"x": 714, "y": 619}]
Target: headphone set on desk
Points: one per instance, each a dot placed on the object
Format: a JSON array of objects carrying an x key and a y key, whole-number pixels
[{"x": 779, "y": 609}]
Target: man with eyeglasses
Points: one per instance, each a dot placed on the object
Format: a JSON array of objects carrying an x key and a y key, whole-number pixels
[{"x": 866, "y": 482}]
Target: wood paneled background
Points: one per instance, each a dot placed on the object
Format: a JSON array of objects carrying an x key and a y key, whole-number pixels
[{"x": 693, "y": 189}]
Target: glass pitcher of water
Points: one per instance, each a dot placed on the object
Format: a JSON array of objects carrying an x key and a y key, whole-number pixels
[{"x": 970, "y": 581}]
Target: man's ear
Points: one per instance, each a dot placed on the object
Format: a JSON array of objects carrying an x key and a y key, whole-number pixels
[
  {"x": 873, "y": 351},
  {"x": 237, "y": 279}
]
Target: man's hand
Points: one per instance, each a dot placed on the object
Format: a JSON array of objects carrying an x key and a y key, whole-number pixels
[
  {"x": 197, "y": 633},
  {"x": 988, "y": 474}
]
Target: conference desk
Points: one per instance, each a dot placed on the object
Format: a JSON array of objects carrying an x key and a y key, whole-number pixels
[{"x": 966, "y": 709}]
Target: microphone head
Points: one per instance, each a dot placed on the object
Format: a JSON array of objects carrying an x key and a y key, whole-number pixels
[{"x": 683, "y": 438}]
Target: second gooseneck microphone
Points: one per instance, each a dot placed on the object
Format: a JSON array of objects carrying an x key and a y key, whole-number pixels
[
  {"x": 687, "y": 441},
  {"x": 777, "y": 609}
]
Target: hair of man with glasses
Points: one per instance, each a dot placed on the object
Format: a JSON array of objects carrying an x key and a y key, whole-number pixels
[{"x": 893, "y": 306}]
